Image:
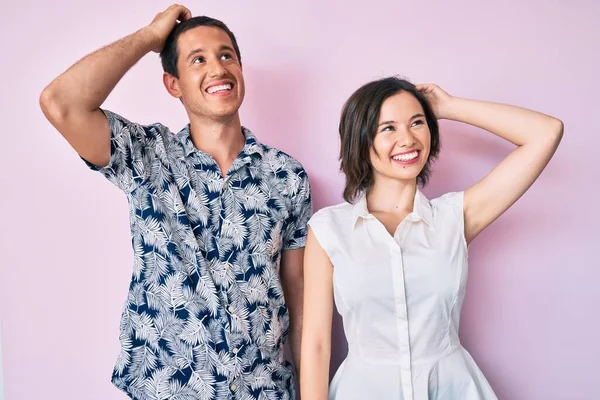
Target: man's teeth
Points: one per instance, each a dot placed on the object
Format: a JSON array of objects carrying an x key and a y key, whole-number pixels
[
  {"x": 220, "y": 88},
  {"x": 406, "y": 157}
]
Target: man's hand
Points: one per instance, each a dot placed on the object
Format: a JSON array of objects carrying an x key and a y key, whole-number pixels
[{"x": 164, "y": 22}]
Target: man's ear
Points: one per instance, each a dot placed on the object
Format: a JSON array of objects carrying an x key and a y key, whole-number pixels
[{"x": 172, "y": 85}]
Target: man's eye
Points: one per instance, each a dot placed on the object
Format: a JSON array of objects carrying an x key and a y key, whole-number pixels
[{"x": 198, "y": 60}]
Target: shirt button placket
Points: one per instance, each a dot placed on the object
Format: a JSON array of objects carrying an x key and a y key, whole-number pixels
[
  {"x": 233, "y": 383},
  {"x": 401, "y": 319},
  {"x": 224, "y": 187}
]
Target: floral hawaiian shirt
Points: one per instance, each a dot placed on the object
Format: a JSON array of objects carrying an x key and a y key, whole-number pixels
[{"x": 205, "y": 317}]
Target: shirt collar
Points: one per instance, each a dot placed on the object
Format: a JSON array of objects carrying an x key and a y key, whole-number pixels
[
  {"x": 422, "y": 210},
  {"x": 251, "y": 148}
]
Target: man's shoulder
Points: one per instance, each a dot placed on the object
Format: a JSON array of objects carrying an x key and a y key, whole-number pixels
[
  {"x": 117, "y": 122},
  {"x": 271, "y": 154}
]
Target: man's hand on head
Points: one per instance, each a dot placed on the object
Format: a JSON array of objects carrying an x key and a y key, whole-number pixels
[{"x": 164, "y": 22}]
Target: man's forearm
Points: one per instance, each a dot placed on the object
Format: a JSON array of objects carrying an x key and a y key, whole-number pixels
[
  {"x": 296, "y": 338},
  {"x": 87, "y": 84},
  {"x": 292, "y": 280}
]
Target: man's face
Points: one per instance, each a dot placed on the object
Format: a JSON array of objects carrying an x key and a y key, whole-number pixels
[{"x": 210, "y": 83}]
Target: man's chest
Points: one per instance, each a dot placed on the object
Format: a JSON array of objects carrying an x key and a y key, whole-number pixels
[{"x": 196, "y": 207}]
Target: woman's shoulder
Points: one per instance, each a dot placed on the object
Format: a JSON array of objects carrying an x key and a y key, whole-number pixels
[
  {"x": 333, "y": 210},
  {"x": 449, "y": 199},
  {"x": 331, "y": 214}
]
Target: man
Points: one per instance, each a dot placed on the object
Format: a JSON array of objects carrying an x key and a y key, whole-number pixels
[{"x": 218, "y": 220}]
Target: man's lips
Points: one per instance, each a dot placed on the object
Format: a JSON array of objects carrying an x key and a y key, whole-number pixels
[{"x": 220, "y": 87}]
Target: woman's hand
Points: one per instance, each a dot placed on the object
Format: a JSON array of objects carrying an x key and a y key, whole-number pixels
[{"x": 440, "y": 100}]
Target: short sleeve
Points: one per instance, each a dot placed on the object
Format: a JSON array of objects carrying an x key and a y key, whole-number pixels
[
  {"x": 453, "y": 204},
  {"x": 132, "y": 149},
  {"x": 320, "y": 224},
  {"x": 297, "y": 226}
]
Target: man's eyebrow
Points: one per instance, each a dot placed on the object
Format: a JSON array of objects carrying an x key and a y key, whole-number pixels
[
  {"x": 195, "y": 52},
  {"x": 200, "y": 50}
]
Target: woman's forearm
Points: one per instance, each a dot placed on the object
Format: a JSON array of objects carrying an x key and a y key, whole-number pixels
[{"x": 518, "y": 125}]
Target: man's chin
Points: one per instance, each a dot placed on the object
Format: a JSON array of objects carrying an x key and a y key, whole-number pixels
[
  {"x": 225, "y": 114},
  {"x": 225, "y": 108},
  {"x": 217, "y": 114}
]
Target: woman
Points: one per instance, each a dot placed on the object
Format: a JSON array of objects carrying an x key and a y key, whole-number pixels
[{"x": 396, "y": 262}]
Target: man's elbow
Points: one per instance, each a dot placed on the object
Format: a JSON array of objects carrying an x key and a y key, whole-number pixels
[{"x": 54, "y": 111}]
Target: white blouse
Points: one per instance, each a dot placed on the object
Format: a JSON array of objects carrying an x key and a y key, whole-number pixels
[{"x": 400, "y": 299}]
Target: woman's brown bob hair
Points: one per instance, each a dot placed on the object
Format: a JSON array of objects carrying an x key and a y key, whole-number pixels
[{"x": 358, "y": 126}]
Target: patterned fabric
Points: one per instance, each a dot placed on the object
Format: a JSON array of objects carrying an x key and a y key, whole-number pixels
[{"x": 205, "y": 317}]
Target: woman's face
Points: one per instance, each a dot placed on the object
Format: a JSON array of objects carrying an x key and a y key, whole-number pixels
[{"x": 402, "y": 142}]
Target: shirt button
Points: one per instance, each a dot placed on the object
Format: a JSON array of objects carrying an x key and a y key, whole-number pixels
[
  {"x": 233, "y": 387},
  {"x": 230, "y": 309},
  {"x": 235, "y": 350}
]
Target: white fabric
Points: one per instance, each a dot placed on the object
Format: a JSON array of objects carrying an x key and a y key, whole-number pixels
[{"x": 400, "y": 299}]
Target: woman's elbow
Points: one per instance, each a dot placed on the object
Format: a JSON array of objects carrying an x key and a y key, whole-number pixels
[{"x": 315, "y": 347}]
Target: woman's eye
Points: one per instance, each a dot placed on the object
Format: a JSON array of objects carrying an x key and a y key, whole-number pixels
[
  {"x": 226, "y": 56},
  {"x": 387, "y": 128},
  {"x": 418, "y": 122}
]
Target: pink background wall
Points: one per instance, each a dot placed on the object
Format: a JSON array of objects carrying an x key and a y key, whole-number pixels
[{"x": 531, "y": 317}]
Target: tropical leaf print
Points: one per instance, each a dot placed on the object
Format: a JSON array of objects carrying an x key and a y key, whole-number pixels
[{"x": 205, "y": 316}]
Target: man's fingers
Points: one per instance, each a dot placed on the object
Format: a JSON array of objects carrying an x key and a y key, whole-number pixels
[{"x": 184, "y": 15}]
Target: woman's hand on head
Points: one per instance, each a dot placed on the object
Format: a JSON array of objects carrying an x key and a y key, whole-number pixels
[{"x": 439, "y": 99}]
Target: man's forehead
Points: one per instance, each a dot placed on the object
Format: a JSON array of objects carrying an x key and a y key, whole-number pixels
[{"x": 204, "y": 37}]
